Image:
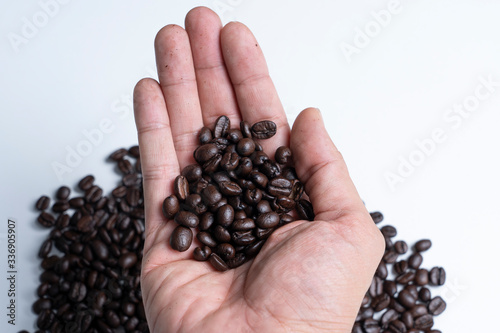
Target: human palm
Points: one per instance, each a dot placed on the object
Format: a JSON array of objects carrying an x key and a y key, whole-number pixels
[{"x": 309, "y": 276}]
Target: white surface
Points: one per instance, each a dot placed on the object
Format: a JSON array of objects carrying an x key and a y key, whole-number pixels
[{"x": 81, "y": 67}]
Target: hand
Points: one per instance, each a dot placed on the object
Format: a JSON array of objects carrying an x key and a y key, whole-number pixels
[{"x": 309, "y": 276}]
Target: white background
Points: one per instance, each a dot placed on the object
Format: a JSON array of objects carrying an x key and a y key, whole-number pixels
[{"x": 81, "y": 64}]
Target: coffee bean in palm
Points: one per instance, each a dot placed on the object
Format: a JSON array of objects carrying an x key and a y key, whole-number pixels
[
  {"x": 170, "y": 206},
  {"x": 230, "y": 188},
  {"x": 245, "y": 147},
  {"x": 283, "y": 155},
  {"x": 206, "y": 221},
  {"x": 268, "y": 220},
  {"x": 263, "y": 129},
  {"x": 205, "y": 135},
  {"x": 202, "y": 253},
  {"x": 181, "y": 187},
  {"x": 181, "y": 238},
  {"x": 205, "y": 152},
  {"x": 221, "y": 234},
  {"x": 371, "y": 326},
  {"x": 42, "y": 203},
  {"x": 187, "y": 219},
  {"x": 437, "y": 276},
  {"x": 225, "y": 251},
  {"x": 423, "y": 245},
  {"x": 305, "y": 210},
  {"x": 218, "y": 263},
  {"x": 222, "y": 125}
]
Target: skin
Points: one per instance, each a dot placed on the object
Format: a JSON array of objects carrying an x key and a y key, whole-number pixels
[{"x": 309, "y": 276}]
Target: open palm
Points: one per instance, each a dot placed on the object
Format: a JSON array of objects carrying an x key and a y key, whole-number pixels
[{"x": 309, "y": 276}]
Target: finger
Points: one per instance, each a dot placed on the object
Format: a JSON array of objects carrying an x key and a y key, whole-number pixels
[
  {"x": 214, "y": 86},
  {"x": 322, "y": 169},
  {"x": 178, "y": 83},
  {"x": 158, "y": 160},
  {"x": 257, "y": 98}
]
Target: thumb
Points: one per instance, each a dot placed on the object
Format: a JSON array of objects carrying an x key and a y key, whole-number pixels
[{"x": 322, "y": 169}]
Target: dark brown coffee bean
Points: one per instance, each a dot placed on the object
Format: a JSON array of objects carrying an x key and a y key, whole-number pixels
[
  {"x": 202, "y": 254},
  {"x": 45, "y": 319},
  {"x": 243, "y": 224},
  {"x": 127, "y": 260},
  {"x": 77, "y": 292},
  {"x": 133, "y": 197},
  {"x": 390, "y": 287},
  {"x": 211, "y": 195},
  {"x": 192, "y": 173},
  {"x": 218, "y": 263},
  {"x": 401, "y": 267},
  {"x": 42, "y": 203},
  {"x": 305, "y": 210},
  {"x": 397, "y": 306},
  {"x": 381, "y": 271},
  {"x": 424, "y": 294},
  {"x": 170, "y": 206},
  {"x": 242, "y": 237},
  {"x": 357, "y": 328},
  {"x": 437, "y": 276},
  {"x": 225, "y": 215},
  {"x": 46, "y": 220},
  {"x": 268, "y": 220},
  {"x": 93, "y": 194},
  {"x": 205, "y": 152},
  {"x": 212, "y": 164},
  {"x": 125, "y": 166},
  {"x": 380, "y": 302},
  {"x": 45, "y": 249},
  {"x": 263, "y": 129},
  {"x": 222, "y": 125},
  {"x": 207, "y": 239},
  {"x": 244, "y": 168},
  {"x": 181, "y": 238},
  {"x": 238, "y": 260},
  {"x": 245, "y": 147},
  {"x": 377, "y": 217},
  {"x": 225, "y": 251},
  {"x": 86, "y": 224},
  {"x": 423, "y": 245},
  {"x": 418, "y": 310},
  {"x": 86, "y": 182},
  {"x": 389, "y": 231},
  {"x": 421, "y": 277},
  {"x": 206, "y": 221},
  {"x": 376, "y": 287},
  {"x": 118, "y": 154},
  {"x": 60, "y": 206},
  {"x": 424, "y": 322},
  {"x": 401, "y": 247},
  {"x": 371, "y": 326},
  {"x": 388, "y": 317},
  {"x": 415, "y": 260},
  {"x": 283, "y": 155},
  {"x": 245, "y": 129},
  {"x": 205, "y": 135},
  {"x": 229, "y": 188},
  {"x": 406, "y": 299},
  {"x": 396, "y": 326},
  {"x": 112, "y": 319},
  {"x": 100, "y": 249},
  {"x": 365, "y": 313},
  {"x": 131, "y": 180},
  {"x": 407, "y": 319},
  {"x": 76, "y": 202},
  {"x": 181, "y": 187},
  {"x": 404, "y": 278},
  {"x": 436, "y": 306}
]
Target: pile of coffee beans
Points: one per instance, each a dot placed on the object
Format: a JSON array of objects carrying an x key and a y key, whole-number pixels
[
  {"x": 404, "y": 302},
  {"x": 235, "y": 196},
  {"x": 91, "y": 260}
]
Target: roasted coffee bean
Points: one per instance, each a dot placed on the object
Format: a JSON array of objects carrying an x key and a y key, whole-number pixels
[
  {"x": 207, "y": 239},
  {"x": 365, "y": 313},
  {"x": 211, "y": 195},
  {"x": 77, "y": 292},
  {"x": 263, "y": 129},
  {"x": 43, "y": 203},
  {"x": 218, "y": 263},
  {"x": 380, "y": 302},
  {"x": 125, "y": 166},
  {"x": 225, "y": 215},
  {"x": 389, "y": 231},
  {"x": 245, "y": 147},
  {"x": 401, "y": 266},
  {"x": 205, "y": 135},
  {"x": 305, "y": 210},
  {"x": 437, "y": 276},
  {"x": 229, "y": 161},
  {"x": 170, "y": 206},
  {"x": 222, "y": 125},
  {"x": 252, "y": 196},
  {"x": 407, "y": 319},
  {"x": 45, "y": 319},
  {"x": 390, "y": 287},
  {"x": 100, "y": 249},
  {"x": 424, "y": 294},
  {"x": 93, "y": 194},
  {"x": 45, "y": 248},
  {"x": 400, "y": 247},
  {"x": 390, "y": 257},
  {"x": 245, "y": 129},
  {"x": 181, "y": 238},
  {"x": 243, "y": 224},
  {"x": 270, "y": 169},
  {"x": 418, "y": 310},
  {"x": 388, "y": 316},
  {"x": 371, "y": 326},
  {"x": 221, "y": 234},
  {"x": 225, "y": 251},
  {"x": 283, "y": 155},
  {"x": 421, "y": 277},
  {"x": 86, "y": 182},
  {"x": 205, "y": 152},
  {"x": 195, "y": 204},
  {"x": 192, "y": 173},
  {"x": 376, "y": 287},
  {"x": 212, "y": 164},
  {"x": 244, "y": 168},
  {"x": 396, "y": 326},
  {"x": 268, "y": 220},
  {"x": 381, "y": 271},
  {"x": 436, "y": 306},
  {"x": 86, "y": 224},
  {"x": 377, "y": 217},
  {"x": 238, "y": 260},
  {"x": 206, "y": 221},
  {"x": 415, "y": 260},
  {"x": 397, "y": 306},
  {"x": 229, "y": 188},
  {"x": 76, "y": 202},
  {"x": 118, "y": 154},
  {"x": 181, "y": 187},
  {"x": 424, "y": 322},
  {"x": 407, "y": 299},
  {"x": 46, "y": 220},
  {"x": 202, "y": 253},
  {"x": 423, "y": 245},
  {"x": 127, "y": 260},
  {"x": 404, "y": 278},
  {"x": 242, "y": 237}
]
